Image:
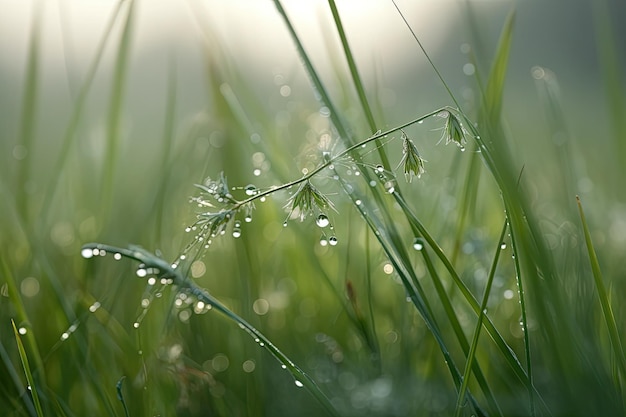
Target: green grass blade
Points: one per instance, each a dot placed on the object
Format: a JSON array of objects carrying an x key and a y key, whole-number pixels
[
  {"x": 613, "y": 70},
  {"x": 29, "y": 376},
  {"x": 76, "y": 117},
  {"x": 607, "y": 311},
  {"x": 356, "y": 79},
  {"x": 524, "y": 320},
  {"x": 479, "y": 324},
  {"x": 28, "y": 116},
  {"x": 149, "y": 260},
  {"x": 115, "y": 111},
  {"x": 497, "y": 75},
  {"x": 503, "y": 347}
]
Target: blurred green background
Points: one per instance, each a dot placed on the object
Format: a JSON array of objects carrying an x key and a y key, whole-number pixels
[{"x": 110, "y": 112}]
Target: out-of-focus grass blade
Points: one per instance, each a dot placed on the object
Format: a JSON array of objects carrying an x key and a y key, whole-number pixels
[
  {"x": 497, "y": 75},
  {"x": 607, "y": 311},
  {"x": 28, "y": 115},
  {"x": 29, "y": 376},
  {"x": 613, "y": 71},
  {"x": 115, "y": 112}
]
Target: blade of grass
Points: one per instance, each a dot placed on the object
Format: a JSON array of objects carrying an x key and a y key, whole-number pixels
[
  {"x": 149, "y": 260},
  {"x": 607, "y": 311},
  {"x": 356, "y": 79},
  {"x": 115, "y": 111},
  {"x": 613, "y": 70},
  {"x": 28, "y": 115},
  {"x": 76, "y": 117},
  {"x": 503, "y": 347},
  {"x": 12, "y": 372},
  {"x": 29, "y": 376},
  {"x": 479, "y": 324}
]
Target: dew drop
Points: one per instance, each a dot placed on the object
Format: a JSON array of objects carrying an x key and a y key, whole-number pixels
[
  {"x": 389, "y": 187},
  {"x": 141, "y": 272},
  {"x": 151, "y": 281},
  {"x": 418, "y": 244},
  {"x": 117, "y": 256},
  {"x": 357, "y": 202},
  {"x": 372, "y": 183},
  {"x": 256, "y": 172},
  {"x": 503, "y": 246},
  {"x": 323, "y": 241},
  {"x": 251, "y": 190},
  {"x": 145, "y": 303},
  {"x": 236, "y": 232},
  {"x": 380, "y": 169},
  {"x": 298, "y": 384},
  {"x": 65, "y": 336},
  {"x": 285, "y": 224},
  {"x": 94, "y": 307},
  {"x": 322, "y": 221},
  {"x": 283, "y": 366},
  {"x": 136, "y": 325},
  {"x": 248, "y": 218},
  {"x": 22, "y": 330},
  {"x": 332, "y": 241},
  {"x": 86, "y": 253}
]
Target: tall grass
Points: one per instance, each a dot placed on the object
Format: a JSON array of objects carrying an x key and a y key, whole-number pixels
[{"x": 357, "y": 290}]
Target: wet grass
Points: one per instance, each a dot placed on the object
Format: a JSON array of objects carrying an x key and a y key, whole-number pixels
[{"x": 363, "y": 285}]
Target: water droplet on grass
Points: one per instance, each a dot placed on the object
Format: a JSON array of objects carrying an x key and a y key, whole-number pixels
[
  {"x": 380, "y": 169},
  {"x": 117, "y": 256},
  {"x": 65, "y": 336},
  {"x": 322, "y": 221},
  {"x": 86, "y": 253},
  {"x": 298, "y": 384},
  {"x": 332, "y": 241},
  {"x": 323, "y": 241},
  {"x": 256, "y": 172},
  {"x": 418, "y": 244},
  {"x": 136, "y": 325},
  {"x": 251, "y": 190},
  {"x": 503, "y": 246},
  {"x": 94, "y": 307},
  {"x": 248, "y": 218}
]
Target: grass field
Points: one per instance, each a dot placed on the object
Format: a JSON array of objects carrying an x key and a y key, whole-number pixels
[{"x": 314, "y": 250}]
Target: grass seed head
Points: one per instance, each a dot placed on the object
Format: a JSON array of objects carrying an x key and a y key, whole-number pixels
[{"x": 412, "y": 161}]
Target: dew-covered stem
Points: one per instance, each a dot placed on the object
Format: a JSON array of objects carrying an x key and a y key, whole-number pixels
[
  {"x": 330, "y": 161},
  {"x": 160, "y": 267}
]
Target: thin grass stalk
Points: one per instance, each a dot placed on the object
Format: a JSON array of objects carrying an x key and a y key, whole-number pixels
[
  {"x": 165, "y": 270},
  {"x": 32, "y": 387},
  {"x": 524, "y": 321},
  {"x": 483, "y": 312},
  {"x": 605, "y": 303},
  {"x": 10, "y": 369}
]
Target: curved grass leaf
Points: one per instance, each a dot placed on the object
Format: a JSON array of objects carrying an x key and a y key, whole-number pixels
[{"x": 165, "y": 270}]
